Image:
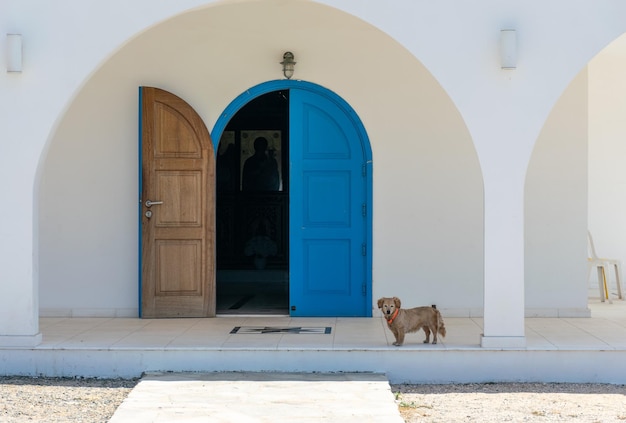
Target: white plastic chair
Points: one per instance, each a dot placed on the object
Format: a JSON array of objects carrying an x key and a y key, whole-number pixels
[{"x": 603, "y": 266}]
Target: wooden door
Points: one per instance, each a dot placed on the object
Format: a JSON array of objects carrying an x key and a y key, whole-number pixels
[
  {"x": 177, "y": 209},
  {"x": 328, "y": 209}
]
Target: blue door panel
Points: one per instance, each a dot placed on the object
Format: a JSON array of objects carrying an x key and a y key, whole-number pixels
[
  {"x": 327, "y": 225},
  {"x": 333, "y": 143},
  {"x": 319, "y": 187},
  {"x": 327, "y": 268}
]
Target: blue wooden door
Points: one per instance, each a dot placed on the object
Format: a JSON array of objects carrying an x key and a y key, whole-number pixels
[{"x": 328, "y": 209}]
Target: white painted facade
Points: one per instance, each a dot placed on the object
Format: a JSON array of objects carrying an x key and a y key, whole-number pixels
[{"x": 485, "y": 180}]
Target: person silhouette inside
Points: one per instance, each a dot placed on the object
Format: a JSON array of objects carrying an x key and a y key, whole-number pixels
[{"x": 260, "y": 171}]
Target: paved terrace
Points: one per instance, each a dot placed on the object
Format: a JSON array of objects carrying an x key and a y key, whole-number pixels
[{"x": 558, "y": 349}]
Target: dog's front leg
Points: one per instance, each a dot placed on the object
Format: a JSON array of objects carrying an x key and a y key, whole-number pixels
[
  {"x": 399, "y": 334},
  {"x": 427, "y": 332}
]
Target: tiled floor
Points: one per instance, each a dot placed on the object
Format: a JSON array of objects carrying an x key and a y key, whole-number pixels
[
  {"x": 557, "y": 349},
  {"x": 605, "y": 330}
]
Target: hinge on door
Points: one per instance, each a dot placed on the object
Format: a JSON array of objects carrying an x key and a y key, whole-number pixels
[
  {"x": 364, "y": 249},
  {"x": 364, "y": 209},
  {"x": 364, "y": 169},
  {"x": 364, "y": 289}
]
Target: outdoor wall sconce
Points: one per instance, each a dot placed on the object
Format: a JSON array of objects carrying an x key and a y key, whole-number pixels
[
  {"x": 14, "y": 53},
  {"x": 508, "y": 49},
  {"x": 288, "y": 64}
]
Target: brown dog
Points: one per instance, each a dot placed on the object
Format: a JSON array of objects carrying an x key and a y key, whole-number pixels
[{"x": 402, "y": 321}]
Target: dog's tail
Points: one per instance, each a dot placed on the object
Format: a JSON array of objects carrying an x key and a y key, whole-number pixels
[{"x": 441, "y": 326}]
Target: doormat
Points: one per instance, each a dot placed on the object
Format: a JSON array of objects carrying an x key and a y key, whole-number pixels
[{"x": 243, "y": 330}]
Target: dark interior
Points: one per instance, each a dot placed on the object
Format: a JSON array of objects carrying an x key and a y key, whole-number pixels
[{"x": 253, "y": 209}]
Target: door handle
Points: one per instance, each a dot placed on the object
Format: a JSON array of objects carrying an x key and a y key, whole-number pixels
[{"x": 152, "y": 203}]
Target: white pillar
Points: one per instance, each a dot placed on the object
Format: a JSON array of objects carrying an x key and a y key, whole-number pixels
[
  {"x": 20, "y": 153},
  {"x": 504, "y": 264},
  {"x": 504, "y": 143},
  {"x": 19, "y": 308}
]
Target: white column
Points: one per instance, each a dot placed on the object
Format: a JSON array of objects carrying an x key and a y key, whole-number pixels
[
  {"x": 22, "y": 143},
  {"x": 504, "y": 142},
  {"x": 19, "y": 308},
  {"x": 504, "y": 263}
]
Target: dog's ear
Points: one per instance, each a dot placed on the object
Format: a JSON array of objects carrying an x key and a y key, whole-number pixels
[
  {"x": 397, "y": 302},
  {"x": 380, "y": 302}
]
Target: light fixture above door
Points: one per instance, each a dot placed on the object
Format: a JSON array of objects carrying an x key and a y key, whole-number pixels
[{"x": 288, "y": 64}]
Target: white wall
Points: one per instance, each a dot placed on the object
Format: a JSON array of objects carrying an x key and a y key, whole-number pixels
[
  {"x": 241, "y": 41},
  {"x": 427, "y": 183},
  {"x": 556, "y": 212},
  {"x": 607, "y": 152}
]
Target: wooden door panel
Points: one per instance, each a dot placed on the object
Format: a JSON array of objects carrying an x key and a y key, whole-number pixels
[
  {"x": 178, "y": 230},
  {"x": 175, "y": 137},
  {"x": 178, "y": 270},
  {"x": 184, "y": 190}
]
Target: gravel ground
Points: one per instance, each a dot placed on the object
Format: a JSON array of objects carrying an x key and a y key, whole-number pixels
[
  {"x": 44, "y": 399},
  {"x": 512, "y": 402},
  {"x": 24, "y": 399}
]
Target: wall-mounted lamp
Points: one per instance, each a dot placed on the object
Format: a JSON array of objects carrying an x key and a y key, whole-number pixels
[
  {"x": 288, "y": 64},
  {"x": 508, "y": 49},
  {"x": 14, "y": 52}
]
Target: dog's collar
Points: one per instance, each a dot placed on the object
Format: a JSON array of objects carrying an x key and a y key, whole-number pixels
[{"x": 395, "y": 314}]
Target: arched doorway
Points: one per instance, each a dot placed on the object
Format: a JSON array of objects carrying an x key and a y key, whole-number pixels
[
  {"x": 300, "y": 243},
  {"x": 252, "y": 208}
]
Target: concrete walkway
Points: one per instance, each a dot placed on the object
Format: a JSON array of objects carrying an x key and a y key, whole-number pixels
[{"x": 260, "y": 397}]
